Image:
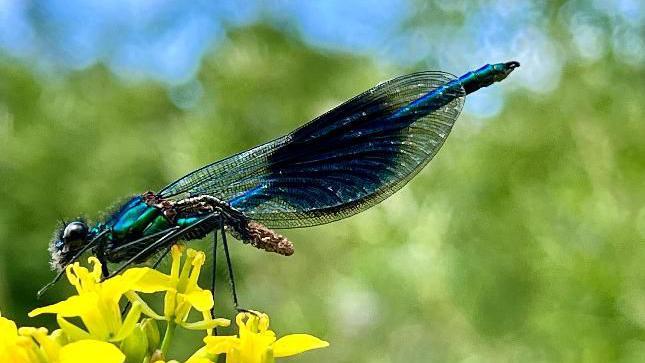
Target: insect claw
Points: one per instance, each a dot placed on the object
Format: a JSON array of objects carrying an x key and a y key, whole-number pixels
[
  {"x": 243, "y": 310},
  {"x": 42, "y": 291}
]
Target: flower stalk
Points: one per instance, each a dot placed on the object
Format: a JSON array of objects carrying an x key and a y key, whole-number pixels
[{"x": 168, "y": 336}]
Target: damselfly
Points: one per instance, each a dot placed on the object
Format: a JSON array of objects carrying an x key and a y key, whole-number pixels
[{"x": 341, "y": 163}]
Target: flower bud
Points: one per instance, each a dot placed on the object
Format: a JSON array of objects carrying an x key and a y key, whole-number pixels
[
  {"x": 135, "y": 345},
  {"x": 157, "y": 356},
  {"x": 151, "y": 329}
]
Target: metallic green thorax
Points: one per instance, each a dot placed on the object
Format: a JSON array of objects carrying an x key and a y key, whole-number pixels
[{"x": 137, "y": 219}]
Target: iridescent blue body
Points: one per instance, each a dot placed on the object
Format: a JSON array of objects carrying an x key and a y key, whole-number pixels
[{"x": 339, "y": 164}]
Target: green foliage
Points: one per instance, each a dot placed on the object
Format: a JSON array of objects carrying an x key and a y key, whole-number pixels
[{"x": 523, "y": 240}]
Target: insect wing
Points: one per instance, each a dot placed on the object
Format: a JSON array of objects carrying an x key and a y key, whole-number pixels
[{"x": 342, "y": 162}]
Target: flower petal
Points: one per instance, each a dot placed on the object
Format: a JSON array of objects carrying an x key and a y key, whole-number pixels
[
  {"x": 221, "y": 343},
  {"x": 202, "y": 356},
  {"x": 201, "y": 300},
  {"x": 72, "y": 331},
  {"x": 147, "y": 280},
  {"x": 114, "y": 288},
  {"x": 199, "y": 360},
  {"x": 295, "y": 344},
  {"x": 74, "y": 306},
  {"x": 206, "y": 324},
  {"x": 129, "y": 323},
  {"x": 147, "y": 310},
  {"x": 91, "y": 351},
  {"x": 7, "y": 329},
  {"x": 47, "y": 344}
]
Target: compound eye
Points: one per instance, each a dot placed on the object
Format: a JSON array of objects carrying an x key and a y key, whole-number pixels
[{"x": 75, "y": 231}]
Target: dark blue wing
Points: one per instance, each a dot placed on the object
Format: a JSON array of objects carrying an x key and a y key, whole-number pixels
[{"x": 342, "y": 162}]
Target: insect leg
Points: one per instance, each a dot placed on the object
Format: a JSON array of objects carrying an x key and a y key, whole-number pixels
[
  {"x": 151, "y": 247},
  {"x": 142, "y": 239},
  {"x": 76, "y": 256},
  {"x": 214, "y": 266},
  {"x": 100, "y": 254},
  {"x": 154, "y": 267},
  {"x": 229, "y": 265},
  {"x": 156, "y": 264},
  {"x": 170, "y": 236}
]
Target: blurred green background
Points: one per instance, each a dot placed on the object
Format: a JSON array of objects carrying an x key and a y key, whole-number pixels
[{"x": 522, "y": 241}]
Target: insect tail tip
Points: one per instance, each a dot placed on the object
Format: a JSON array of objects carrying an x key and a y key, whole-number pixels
[
  {"x": 266, "y": 239},
  {"x": 512, "y": 64}
]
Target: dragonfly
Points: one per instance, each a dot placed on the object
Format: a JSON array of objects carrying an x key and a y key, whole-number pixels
[{"x": 337, "y": 165}]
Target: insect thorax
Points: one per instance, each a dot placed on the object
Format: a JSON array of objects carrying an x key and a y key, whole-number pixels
[{"x": 182, "y": 212}]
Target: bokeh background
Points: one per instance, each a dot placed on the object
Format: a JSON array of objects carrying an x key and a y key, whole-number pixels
[{"x": 524, "y": 240}]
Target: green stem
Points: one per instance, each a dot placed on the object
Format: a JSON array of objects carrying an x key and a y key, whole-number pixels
[{"x": 167, "y": 338}]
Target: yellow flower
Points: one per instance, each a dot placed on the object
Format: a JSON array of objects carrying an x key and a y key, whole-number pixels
[
  {"x": 94, "y": 351},
  {"x": 182, "y": 291},
  {"x": 13, "y": 348},
  {"x": 256, "y": 343},
  {"x": 97, "y": 303},
  {"x": 33, "y": 345},
  {"x": 107, "y": 337},
  {"x": 187, "y": 294}
]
